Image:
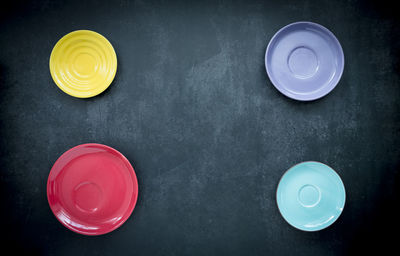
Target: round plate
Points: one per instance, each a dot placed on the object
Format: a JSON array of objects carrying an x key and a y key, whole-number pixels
[
  {"x": 83, "y": 63},
  {"x": 304, "y": 61},
  {"x": 310, "y": 196},
  {"x": 92, "y": 189}
]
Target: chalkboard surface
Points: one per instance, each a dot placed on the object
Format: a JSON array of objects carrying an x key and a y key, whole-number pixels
[{"x": 209, "y": 136}]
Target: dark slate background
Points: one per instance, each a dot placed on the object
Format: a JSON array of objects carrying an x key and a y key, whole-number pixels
[{"x": 209, "y": 136}]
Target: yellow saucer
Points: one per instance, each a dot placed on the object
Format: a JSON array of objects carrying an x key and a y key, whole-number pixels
[{"x": 83, "y": 63}]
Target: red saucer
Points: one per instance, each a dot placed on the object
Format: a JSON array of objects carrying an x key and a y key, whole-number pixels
[{"x": 92, "y": 189}]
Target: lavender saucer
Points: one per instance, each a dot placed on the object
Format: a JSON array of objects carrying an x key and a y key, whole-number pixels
[{"x": 304, "y": 61}]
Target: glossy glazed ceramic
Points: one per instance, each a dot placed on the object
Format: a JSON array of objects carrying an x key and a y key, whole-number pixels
[
  {"x": 83, "y": 63},
  {"x": 92, "y": 189},
  {"x": 304, "y": 61},
  {"x": 310, "y": 196}
]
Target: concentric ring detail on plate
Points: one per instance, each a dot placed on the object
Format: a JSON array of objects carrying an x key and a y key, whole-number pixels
[{"x": 83, "y": 63}]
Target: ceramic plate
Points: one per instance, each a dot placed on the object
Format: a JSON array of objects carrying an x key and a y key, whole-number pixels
[
  {"x": 304, "y": 61},
  {"x": 310, "y": 196},
  {"x": 92, "y": 189},
  {"x": 83, "y": 63}
]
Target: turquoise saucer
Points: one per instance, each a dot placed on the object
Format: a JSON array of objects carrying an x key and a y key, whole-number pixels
[{"x": 310, "y": 196}]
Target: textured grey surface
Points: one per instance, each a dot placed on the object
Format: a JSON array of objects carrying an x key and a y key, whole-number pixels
[{"x": 209, "y": 136}]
